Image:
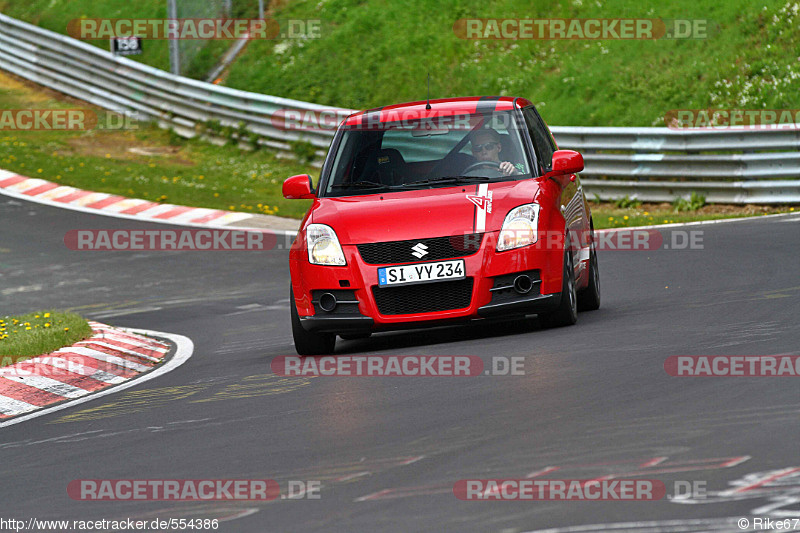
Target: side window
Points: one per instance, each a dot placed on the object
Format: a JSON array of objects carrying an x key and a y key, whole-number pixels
[{"x": 541, "y": 139}]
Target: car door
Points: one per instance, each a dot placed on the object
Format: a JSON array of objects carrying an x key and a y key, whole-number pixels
[{"x": 571, "y": 193}]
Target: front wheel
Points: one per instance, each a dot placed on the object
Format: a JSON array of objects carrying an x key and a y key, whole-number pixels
[
  {"x": 566, "y": 314},
  {"x": 309, "y": 342}
]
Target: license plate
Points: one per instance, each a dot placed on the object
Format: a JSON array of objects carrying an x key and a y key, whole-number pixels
[{"x": 420, "y": 273}]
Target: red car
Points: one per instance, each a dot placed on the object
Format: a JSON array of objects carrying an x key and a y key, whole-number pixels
[{"x": 433, "y": 212}]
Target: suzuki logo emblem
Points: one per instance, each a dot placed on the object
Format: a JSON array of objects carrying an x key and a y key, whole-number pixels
[{"x": 420, "y": 250}]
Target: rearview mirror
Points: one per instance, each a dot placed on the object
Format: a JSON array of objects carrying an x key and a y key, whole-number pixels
[
  {"x": 298, "y": 188},
  {"x": 428, "y": 132}
]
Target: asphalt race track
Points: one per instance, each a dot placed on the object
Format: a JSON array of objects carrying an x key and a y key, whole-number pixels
[{"x": 595, "y": 399}]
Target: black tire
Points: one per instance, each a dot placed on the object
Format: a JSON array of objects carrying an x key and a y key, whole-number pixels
[
  {"x": 566, "y": 314},
  {"x": 589, "y": 298},
  {"x": 309, "y": 342}
]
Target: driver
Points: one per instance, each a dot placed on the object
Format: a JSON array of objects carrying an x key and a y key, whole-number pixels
[{"x": 486, "y": 146}]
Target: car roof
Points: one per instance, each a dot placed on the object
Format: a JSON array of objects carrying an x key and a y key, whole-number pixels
[{"x": 439, "y": 107}]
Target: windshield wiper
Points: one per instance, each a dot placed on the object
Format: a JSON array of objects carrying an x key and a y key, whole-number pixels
[
  {"x": 358, "y": 185},
  {"x": 447, "y": 179}
]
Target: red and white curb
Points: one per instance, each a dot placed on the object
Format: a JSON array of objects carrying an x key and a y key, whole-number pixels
[
  {"x": 105, "y": 363},
  {"x": 47, "y": 192}
]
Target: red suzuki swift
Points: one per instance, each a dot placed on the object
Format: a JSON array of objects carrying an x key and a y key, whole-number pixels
[{"x": 431, "y": 212}]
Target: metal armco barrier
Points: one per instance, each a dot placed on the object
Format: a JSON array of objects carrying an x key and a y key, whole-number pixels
[{"x": 660, "y": 164}]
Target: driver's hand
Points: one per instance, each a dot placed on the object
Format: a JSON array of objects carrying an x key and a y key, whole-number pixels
[{"x": 508, "y": 168}]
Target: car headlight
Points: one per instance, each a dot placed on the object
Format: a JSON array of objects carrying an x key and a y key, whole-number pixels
[
  {"x": 323, "y": 246},
  {"x": 519, "y": 227}
]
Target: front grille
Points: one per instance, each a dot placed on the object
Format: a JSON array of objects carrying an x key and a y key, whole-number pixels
[
  {"x": 385, "y": 253},
  {"x": 423, "y": 298}
]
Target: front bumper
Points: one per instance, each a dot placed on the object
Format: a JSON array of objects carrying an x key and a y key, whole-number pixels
[{"x": 486, "y": 269}]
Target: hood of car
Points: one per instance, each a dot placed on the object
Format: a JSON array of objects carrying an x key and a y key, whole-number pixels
[{"x": 424, "y": 213}]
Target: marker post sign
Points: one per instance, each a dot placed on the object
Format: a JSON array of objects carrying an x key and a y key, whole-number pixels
[{"x": 126, "y": 46}]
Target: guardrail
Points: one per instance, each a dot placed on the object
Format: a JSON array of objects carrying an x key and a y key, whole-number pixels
[{"x": 190, "y": 107}]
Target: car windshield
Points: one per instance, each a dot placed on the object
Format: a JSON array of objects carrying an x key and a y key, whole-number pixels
[{"x": 424, "y": 153}]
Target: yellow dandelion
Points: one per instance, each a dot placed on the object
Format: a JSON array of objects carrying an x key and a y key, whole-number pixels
[
  {"x": 625, "y": 217},
  {"x": 47, "y": 315}
]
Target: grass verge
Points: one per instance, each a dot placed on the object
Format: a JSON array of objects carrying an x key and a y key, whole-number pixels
[
  {"x": 371, "y": 53},
  {"x": 149, "y": 162},
  {"x": 39, "y": 333},
  {"x": 144, "y": 161},
  {"x": 608, "y": 215}
]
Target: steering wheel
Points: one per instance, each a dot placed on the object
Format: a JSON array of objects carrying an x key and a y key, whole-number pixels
[{"x": 480, "y": 164}]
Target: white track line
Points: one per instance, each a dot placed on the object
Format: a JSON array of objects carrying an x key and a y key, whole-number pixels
[{"x": 185, "y": 348}]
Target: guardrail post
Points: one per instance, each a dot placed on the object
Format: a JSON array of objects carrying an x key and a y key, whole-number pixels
[{"x": 174, "y": 50}]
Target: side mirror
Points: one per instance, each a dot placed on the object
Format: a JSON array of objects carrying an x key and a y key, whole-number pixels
[
  {"x": 566, "y": 162},
  {"x": 298, "y": 188}
]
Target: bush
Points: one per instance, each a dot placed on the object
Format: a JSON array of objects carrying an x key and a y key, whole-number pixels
[
  {"x": 695, "y": 202},
  {"x": 625, "y": 202}
]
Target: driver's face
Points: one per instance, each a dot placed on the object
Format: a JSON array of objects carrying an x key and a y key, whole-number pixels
[{"x": 485, "y": 148}]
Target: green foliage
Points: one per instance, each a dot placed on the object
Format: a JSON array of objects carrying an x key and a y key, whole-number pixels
[
  {"x": 174, "y": 138},
  {"x": 304, "y": 151},
  {"x": 625, "y": 202},
  {"x": 748, "y": 61},
  {"x": 695, "y": 202}
]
